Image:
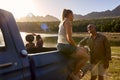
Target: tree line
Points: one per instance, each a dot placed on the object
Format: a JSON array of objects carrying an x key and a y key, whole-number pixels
[{"x": 103, "y": 25}]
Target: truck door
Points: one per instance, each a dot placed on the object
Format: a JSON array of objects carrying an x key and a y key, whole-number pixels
[{"x": 12, "y": 65}]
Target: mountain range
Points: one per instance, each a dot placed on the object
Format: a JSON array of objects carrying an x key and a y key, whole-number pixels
[
  {"x": 32, "y": 18},
  {"x": 93, "y": 15},
  {"x": 104, "y": 14}
]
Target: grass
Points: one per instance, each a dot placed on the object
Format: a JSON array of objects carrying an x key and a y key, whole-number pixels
[
  {"x": 114, "y": 70},
  {"x": 115, "y": 49}
]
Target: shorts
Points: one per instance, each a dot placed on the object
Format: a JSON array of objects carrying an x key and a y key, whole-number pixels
[
  {"x": 98, "y": 69},
  {"x": 66, "y": 49}
]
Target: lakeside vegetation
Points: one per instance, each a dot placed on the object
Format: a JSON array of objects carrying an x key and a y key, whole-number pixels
[{"x": 103, "y": 25}]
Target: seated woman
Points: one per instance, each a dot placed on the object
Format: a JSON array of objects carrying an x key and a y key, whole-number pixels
[
  {"x": 39, "y": 45},
  {"x": 30, "y": 45},
  {"x": 39, "y": 42}
]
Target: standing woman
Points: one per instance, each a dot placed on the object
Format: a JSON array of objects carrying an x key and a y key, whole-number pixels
[{"x": 67, "y": 46}]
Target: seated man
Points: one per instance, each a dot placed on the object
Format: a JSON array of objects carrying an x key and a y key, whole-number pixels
[{"x": 30, "y": 45}]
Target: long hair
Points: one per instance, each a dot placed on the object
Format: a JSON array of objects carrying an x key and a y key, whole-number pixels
[{"x": 66, "y": 13}]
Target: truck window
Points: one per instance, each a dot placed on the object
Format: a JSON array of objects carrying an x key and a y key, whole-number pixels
[{"x": 2, "y": 42}]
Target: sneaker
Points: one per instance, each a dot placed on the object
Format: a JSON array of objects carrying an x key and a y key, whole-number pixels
[{"x": 80, "y": 74}]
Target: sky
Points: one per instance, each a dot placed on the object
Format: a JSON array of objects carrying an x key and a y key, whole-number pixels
[{"x": 21, "y": 8}]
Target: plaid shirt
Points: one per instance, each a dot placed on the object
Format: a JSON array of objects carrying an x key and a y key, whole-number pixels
[{"x": 99, "y": 48}]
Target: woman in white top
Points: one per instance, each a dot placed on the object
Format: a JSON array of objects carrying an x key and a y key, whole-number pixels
[{"x": 67, "y": 46}]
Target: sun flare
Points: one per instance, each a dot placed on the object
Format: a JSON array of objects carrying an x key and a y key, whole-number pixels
[{"x": 19, "y": 8}]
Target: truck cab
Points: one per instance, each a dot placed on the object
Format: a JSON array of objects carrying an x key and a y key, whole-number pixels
[{"x": 17, "y": 64}]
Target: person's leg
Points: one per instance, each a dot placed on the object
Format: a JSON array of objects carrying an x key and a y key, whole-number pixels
[
  {"x": 100, "y": 77},
  {"x": 101, "y": 72},
  {"x": 93, "y": 77},
  {"x": 94, "y": 72},
  {"x": 82, "y": 57}
]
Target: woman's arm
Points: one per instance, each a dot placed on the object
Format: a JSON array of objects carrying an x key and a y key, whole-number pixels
[{"x": 68, "y": 29}]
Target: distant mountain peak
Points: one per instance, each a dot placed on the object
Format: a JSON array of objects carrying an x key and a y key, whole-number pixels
[{"x": 117, "y": 8}]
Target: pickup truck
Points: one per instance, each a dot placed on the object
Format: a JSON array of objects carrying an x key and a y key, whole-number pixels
[{"x": 17, "y": 64}]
